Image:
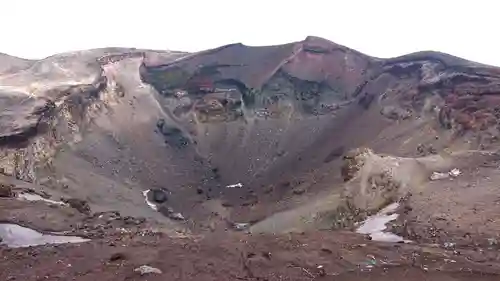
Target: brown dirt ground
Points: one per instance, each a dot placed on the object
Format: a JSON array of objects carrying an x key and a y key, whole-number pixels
[
  {"x": 343, "y": 256},
  {"x": 119, "y": 246},
  {"x": 460, "y": 210}
]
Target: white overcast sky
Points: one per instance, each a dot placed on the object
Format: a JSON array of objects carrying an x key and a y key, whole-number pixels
[{"x": 383, "y": 28}]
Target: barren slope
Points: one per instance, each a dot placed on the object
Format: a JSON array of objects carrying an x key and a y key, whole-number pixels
[{"x": 244, "y": 134}]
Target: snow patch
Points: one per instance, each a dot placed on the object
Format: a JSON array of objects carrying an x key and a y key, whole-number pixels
[
  {"x": 16, "y": 236},
  {"x": 150, "y": 204},
  {"x": 146, "y": 269},
  {"x": 376, "y": 224},
  {"x": 36, "y": 197},
  {"x": 439, "y": 176}
]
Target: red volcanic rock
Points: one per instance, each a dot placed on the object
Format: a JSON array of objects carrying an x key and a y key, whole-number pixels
[
  {"x": 314, "y": 59},
  {"x": 315, "y": 72},
  {"x": 320, "y": 60}
]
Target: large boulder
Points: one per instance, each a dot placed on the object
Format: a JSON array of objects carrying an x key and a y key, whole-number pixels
[
  {"x": 6, "y": 190},
  {"x": 79, "y": 204},
  {"x": 157, "y": 195}
]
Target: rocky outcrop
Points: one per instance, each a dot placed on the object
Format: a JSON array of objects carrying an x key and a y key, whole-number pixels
[
  {"x": 43, "y": 108},
  {"x": 461, "y": 95},
  {"x": 353, "y": 161},
  {"x": 33, "y": 143}
]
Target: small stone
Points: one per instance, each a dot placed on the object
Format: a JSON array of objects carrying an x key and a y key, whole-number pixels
[
  {"x": 268, "y": 190},
  {"x": 298, "y": 191},
  {"x": 326, "y": 250},
  {"x": 117, "y": 256},
  {"x": 177, "y": 216},
  {"x": 241, "y": 226},
  {"x": 492, "y": 241},
  {"x": 439, "y": 216},
  {"x": 395, "y": 113},
  {"x": 166, "y": 210},
  {"x": 455, "y": 172},
  {"x": 321, "y": 270},
  {"x": 146, "y": 269},
  {"x": 250, "y": 255},
  {"x": 438, "y": 176},
  {"x": 449, "y": 245},
  {"x": 267, "y": 255},
  {"x": 227, "y": 204},
  {"x": 237, "y": 185}
]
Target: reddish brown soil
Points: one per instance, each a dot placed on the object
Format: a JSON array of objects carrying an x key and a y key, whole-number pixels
[
  {"x": 342, "y": 256},
  {"x": 119, "y": 245}
]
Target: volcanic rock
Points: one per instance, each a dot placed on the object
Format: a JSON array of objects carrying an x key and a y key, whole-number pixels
[
  {"x": 6, "y": 190},
  {"x": 157, "y": 195},
  {"x": 80, "y": 205}
]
